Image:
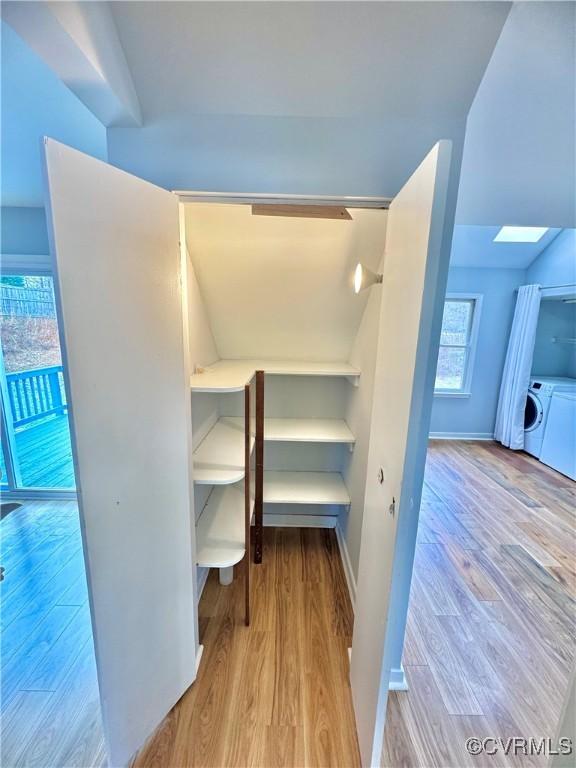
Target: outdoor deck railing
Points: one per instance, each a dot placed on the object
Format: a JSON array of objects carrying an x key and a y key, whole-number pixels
[{"x": 36, "y": 394}]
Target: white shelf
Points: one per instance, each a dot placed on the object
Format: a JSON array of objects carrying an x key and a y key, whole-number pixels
[
  {"x": 233, "y": 375},
  {"x": 220, "y": 530},
  {"x": 304, "y": 488},
  {"x": 308, "y": 431},
  {"x": 219, "y": 459},
  {"x": 303, "y": 430}
]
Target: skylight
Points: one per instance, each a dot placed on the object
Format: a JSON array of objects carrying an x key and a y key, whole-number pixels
[{"x": 520, "y": 234}]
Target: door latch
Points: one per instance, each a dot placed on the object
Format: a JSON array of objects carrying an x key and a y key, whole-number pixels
[{"x": 392, "y": 507}]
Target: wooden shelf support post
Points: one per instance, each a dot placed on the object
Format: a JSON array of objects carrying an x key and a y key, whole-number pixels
[
  {"x": 247, "y": 502},
  {"x": 259, "y": 478}
]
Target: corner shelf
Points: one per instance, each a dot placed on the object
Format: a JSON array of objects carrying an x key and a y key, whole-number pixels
[
  {"x": 233, "y": 375},
  {"x": 219, "y": 459},
  {"x": 220, "y": 529},
  {"x": 281, "y": 487}
]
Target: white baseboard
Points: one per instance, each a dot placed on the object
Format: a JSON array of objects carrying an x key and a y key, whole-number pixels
[
  {"x": 397, "y": 676},
  {"x": 461, "y": 436},
  {"x": 398, "y": 680},
  {"x": 348, "y": 572},
  {"x": 299, "y": 521},
  {"x": 199, "y": 653}
]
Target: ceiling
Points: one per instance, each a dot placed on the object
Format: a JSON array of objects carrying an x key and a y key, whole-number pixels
[
  {"x": 475, "y": 247},
  {"x": 306, "y": 265},
  {"x": 307, "y": 59},
  {"x": 303, "y": 97}
]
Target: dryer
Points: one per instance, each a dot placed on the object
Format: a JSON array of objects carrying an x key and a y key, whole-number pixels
[
  {"x": 538, "y": 400},
  {"x": 559, "y": 445}
]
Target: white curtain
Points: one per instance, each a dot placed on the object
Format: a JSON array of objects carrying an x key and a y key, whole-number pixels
[{"x": 509, "y": 428}]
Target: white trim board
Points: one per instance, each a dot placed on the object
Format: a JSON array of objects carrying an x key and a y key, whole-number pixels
[
  {"x": 461, "y": 436},
  {"x": 397, "y": 677},
  {"x": 26, "y": 264},
  {"x": 199, "y": 654},
  {"x": 347, "y": 565},
  {"x": 202, "y": 578},
  {"x": 398, "y": 680},
  {"x": 248, "y": 198},
  {"x": 281, "y": 520}
]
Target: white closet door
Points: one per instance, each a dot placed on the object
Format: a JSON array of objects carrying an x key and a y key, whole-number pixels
[
  {"x": 413, "y": 246},
  {"x": 115, "y": 239}
]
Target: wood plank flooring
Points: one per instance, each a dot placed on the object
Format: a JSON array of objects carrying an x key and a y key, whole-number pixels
[
  {"x": 275, "y": 693},
  {"x": 490, "y": 637},
  {"x": 50, "y": 703}
]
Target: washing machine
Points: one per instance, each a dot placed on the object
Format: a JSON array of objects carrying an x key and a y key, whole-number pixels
[{"x": 538, "y": 400}]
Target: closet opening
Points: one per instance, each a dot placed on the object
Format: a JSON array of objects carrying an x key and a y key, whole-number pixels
[
  {"x": 285, "y": 410},
  {"x": 272, "y": 308}
]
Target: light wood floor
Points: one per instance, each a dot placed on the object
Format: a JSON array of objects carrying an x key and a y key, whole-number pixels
[
  {"x": 489, "y": 645},
  {"x": 50, "y": 706},
  {"x": 490, "y": 638},
  {"x": 276, "y": 693}
]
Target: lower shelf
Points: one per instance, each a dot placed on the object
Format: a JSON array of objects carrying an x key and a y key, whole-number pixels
[
  {"x": 304, "y": 488},
  {"x": 220, "y": 540}
]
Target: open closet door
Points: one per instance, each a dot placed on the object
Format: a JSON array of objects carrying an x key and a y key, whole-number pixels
[
  {"x": 398, "y": 432},
  {"x": 115, "y": 240}
]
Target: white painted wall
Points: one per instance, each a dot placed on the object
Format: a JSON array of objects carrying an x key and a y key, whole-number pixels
[
  {"x": 519, "y": 156},
  {"x": 278, "y": 287},
  {"x": 557, "y": 264},
  {"x": 202, "y": 346},
  {"x": 202, "y": 351},
  {"x": 474, "y": 416}
]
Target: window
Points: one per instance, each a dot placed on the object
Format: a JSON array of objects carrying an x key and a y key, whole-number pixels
[
  {"x": 457, "y": 344},
  {"x": 36, "y": 441}
]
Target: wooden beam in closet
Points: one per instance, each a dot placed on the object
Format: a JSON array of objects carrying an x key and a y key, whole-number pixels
[
  {"x": 247, "y": 501},
  {"x": 259, "y": 478},
  {"x": 302, "y": 211}
]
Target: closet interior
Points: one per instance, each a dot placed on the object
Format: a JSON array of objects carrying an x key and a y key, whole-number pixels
[{"x": 282, "y": 352}]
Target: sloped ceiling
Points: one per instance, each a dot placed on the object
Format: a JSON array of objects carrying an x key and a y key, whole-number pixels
[
  {"x": 304, "y": 97},
  {"x": 278, "y": 287}
]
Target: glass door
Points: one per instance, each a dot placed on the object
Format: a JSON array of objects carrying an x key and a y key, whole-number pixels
[{"x": 36, "y": 437}]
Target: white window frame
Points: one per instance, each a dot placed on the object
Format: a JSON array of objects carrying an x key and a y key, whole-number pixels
[{"x": 470, "y": 347}]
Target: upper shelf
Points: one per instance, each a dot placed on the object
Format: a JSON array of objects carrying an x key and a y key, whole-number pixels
[
  {"x": 219, "y": 459},
  {"x": 233, "y": 375}
]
